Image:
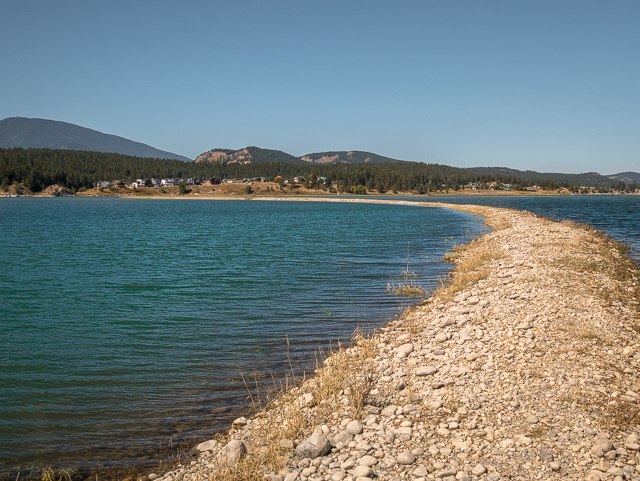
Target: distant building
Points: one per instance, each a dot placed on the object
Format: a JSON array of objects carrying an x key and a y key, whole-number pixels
[
  {"x": 103, "y": 184},
  {"x": 156, "y": 182},
  {"x": 168, "y": 182},
  {"x": 141, "y": 183}
]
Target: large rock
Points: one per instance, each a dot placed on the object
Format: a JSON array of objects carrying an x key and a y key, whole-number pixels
[
  {"x": 406, "y": 458},
  {"x": 342, "y": 437},
  {"x": 362, "y": 472},
  {"x": 354, "y": 427},
  {"x": 404, "y": 350},
  {"x": 207, "y": 445},
  {"x": 389, "y": 410},
  {"x": 233, "y": 452},
  {"x": 314, "y": 446}
]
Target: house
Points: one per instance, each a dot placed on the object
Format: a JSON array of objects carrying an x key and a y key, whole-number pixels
[
  {"x": 168, "y": 182},
  {"x": 141, "y": 183},
  {"x": 103, "y": 184},
  {"x": 156, "y": 182},
  {"x": 118, "y": 184}
]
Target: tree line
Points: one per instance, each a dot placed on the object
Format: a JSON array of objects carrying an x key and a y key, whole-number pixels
[{"x": 40, "y": 168}]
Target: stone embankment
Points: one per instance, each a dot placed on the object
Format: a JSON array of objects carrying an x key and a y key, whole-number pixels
[{"x": 524, "y": 367}]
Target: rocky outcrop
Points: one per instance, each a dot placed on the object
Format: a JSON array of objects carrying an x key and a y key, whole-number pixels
[
  {"x": 227, "y": 157},
  {"x": 56, "y": 191},
  {"x": 524, "y": 367}
]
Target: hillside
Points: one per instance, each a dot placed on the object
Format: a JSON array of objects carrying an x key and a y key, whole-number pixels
[
  {"x": 344, "y": 157},
  {"x": 592, "y": 179},
  {"x": 248, "y": 155},
  {"x": 626, "y": 177},
  {"x": 52, "y": 134},
  {"x": 254, "y": 155},
  {"x": 40, "y": 168}
]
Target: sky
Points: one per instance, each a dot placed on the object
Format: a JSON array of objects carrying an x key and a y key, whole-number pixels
[{"x": 540, "y": 85}]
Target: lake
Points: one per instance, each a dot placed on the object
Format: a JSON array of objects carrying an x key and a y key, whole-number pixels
[{"x": 127, "y": 326}]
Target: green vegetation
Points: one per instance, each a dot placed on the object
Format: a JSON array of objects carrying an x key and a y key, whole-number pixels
[{"x": 40, "y": 168}]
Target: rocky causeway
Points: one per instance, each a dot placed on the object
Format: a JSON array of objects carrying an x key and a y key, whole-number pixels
[{"x": 524, "y": 365}]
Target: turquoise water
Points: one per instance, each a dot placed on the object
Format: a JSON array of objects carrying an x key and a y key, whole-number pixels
[
  {"x": 125, "y": 325},
  {"x": 618, "y": 215}
]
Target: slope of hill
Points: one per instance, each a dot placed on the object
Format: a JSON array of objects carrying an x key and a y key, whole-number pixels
[
  {"x": 344, "y": 157},
  {"x": 248, "y": 155},
  {"x": 592, "y": 179},
  {"x": 626, "y": 177},
  {"x": 52, "y": 134},
  {"x": 252, "y": 155}
]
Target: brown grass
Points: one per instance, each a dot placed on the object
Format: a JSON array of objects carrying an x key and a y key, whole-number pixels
[{"x": 346, "y": 371}]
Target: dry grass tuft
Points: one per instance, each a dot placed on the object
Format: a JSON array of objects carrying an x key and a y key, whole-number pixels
[
  {"x": 473, "y": 265},
  {"x": 346, "y": 371},
  {"x": 50, "y": 473}
]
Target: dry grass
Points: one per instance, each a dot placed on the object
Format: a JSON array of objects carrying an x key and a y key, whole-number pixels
[
  {"x": 50, "y": 473},
  {"x": 346, "y": 371},
  {"x": 472, "y": 266}
]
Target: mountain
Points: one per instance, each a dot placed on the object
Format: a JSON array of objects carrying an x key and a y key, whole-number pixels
[
  {"x": 248, "y": 155},
  {"x": 52, "y": 134},
  {"x": 252, "y": 155},
  {"x": 344, "y": 157},
  {"x": 626, "y": 177},
  {"x": 592, "y": 179}
]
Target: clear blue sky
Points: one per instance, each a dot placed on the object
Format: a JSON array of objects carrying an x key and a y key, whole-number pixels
[{"x": 541, "y": 85}]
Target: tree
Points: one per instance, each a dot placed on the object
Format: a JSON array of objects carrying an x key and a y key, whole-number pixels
[{"x": 182, "y": 187}]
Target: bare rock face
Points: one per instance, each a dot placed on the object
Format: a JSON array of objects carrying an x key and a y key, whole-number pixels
[
  {"x": 313, "y": 447},
  {"x": 57, "y": 191}
]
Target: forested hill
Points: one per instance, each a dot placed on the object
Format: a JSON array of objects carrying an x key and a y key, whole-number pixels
[
  {"x": 52, "y": 134},
  {"x": 39, "y": 168},
  {"x": 344, "y": 157},
  {"x": 248, "y": 155},
  {"x": 627, "y": 177},
  {"x": 589, "y": 178},
  {"x": 252, "y": 155}
]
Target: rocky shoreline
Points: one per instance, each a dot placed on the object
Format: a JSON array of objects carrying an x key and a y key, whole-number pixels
[{"x": 524, "y": 366}]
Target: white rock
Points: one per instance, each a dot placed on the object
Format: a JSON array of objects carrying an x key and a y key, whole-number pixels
[
  {"x": 354, "y": 427},
  {"x": 405, "y": 457},
  {"x": 404, "y": 350},
  {"x": 292, "y": 476},
  {"x": 207, "y": 445},
  {"x": 362, "y": 472},
  {"x": 233, "y": 452},
  {"x": 478, "y": 470},
  {"x": 367, "y": 461},
  {"x": 314, "y": 446},
  {"x": 426, "y": 371}
]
